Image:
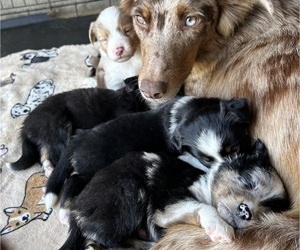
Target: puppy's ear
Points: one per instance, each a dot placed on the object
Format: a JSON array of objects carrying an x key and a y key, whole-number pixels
[
  {"x": 131, "y": 84},
  {"x": 92, "y": 35},
  {"x": 237, "y": 109},
  {"x": 175, "y": 140},
  {"x": 261, "y": 152}
]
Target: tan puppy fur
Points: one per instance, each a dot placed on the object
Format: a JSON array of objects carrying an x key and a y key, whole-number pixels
[{"x": 226, "y": 49}]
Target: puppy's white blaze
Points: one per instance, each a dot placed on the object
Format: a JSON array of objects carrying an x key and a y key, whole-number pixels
[
  {"x": 210, "y": 144},
  {"x": 193, "y": 161},
  {"x": 50, "y": 200},
  {"x": 177, "y": 105},
  {"x": 175, "y": 212}
]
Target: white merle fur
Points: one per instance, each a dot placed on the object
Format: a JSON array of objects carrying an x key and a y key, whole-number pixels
[{"x": 109, "y": 211}]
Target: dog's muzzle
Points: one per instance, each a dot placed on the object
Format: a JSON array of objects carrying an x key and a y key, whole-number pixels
[{"x": 244, "y": 212}]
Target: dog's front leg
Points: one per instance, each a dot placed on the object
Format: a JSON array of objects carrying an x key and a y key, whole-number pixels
[{"x": 215, "y": 227}]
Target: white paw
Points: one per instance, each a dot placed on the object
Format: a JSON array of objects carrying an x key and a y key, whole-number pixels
[
  {"x": 64, "y": 216},
  {"x": 8, "y": 165},
  {"x": 48, "y": 168},
  {"x": 50, "y": 200},
  {"x": 218, "y": 230}
]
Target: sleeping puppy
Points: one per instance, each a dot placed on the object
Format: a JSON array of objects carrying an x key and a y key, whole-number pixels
[
  {"x": 158, "y": 190},
  {"x": 180, "y": 125},
  {"x": 119, "y": 48},
  {"x": 49, "y": 126}
]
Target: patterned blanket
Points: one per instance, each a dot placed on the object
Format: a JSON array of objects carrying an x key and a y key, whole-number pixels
[{"x": 27, "y": 78}]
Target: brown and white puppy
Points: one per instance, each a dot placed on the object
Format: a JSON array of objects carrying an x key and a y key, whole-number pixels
[
  {"x": 230, "y": 49},
  {"x": 119, "y": 48}
]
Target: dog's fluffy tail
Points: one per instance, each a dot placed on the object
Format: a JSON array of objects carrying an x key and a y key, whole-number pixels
[
  {"x": 75, "y": 240},
  {"x": 30, "y": 155},
  {"x": 56, "y": 180},
  {"x": 275, "y": 231}
]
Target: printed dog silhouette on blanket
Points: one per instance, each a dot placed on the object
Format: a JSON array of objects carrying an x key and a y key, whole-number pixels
[
  {"x": 38, "y": 94},
  {"x": 38, "y": 56},
  {"x": 32, "y": 207}
]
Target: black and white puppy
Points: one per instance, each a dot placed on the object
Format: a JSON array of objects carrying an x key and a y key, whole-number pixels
[
  {"x": 154, "y": 191},
  {"x": 47, "y": 128},
  {"x": 181, "y": 125}
]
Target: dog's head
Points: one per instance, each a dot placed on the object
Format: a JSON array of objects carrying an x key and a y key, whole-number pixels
[
  {"x": 114, "y": 31},
  {"x": 173, "y": 33},
  {"x": 247, "y": 186},
  {"x": 210, "y": 129}
]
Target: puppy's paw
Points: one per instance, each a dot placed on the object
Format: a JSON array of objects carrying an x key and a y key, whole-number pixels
[
  {"x": 64, "y": 216},
  {"x": 218, "y": 230},
  {"x": 8, "y": 165},
  {"x": 215, "y": 227},
  {"x": 50, "y": 200},
  {"x": 47, "y": 167}
]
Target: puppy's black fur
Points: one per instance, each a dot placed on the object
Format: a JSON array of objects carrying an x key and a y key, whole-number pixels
[
  {"x": 152, "y": 131},
  {"x": 124, "y": 197},
  {"x": 51, "y": 124}
]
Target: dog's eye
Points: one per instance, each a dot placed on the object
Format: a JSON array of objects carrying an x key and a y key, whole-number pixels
[
  {"x": 140, "y": 19},
  {"x": 191, "y": 21}
]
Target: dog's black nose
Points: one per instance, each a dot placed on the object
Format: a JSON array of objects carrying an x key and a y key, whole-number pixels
[{"x": 243, "y": 212}]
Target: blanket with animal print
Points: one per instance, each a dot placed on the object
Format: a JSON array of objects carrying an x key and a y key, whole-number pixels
[{"x": 28, "y": 78}]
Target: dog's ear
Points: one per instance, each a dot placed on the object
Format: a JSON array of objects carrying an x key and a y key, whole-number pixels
[
  {"x": 92, "y": 34},
  {"x": 231, "y": 15},
  {"x": 237, "y": 109},
  {"x": 126, "y": 6}
]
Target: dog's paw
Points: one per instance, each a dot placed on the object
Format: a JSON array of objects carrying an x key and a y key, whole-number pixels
[
  {"x": 218, "y": 230},
  {"x": 64, "y": 216}
]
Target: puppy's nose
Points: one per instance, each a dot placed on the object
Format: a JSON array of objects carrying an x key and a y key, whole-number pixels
[
  {"x": 154, "y": 90},
  {"x": 243, "y": 212},
  {"x": 119, "y": 51}
]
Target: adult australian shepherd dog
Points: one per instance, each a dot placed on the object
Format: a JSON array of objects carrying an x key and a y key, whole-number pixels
[{"x": 230, "y": 48}]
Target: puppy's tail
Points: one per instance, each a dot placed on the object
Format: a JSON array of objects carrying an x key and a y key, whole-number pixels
[
  {"x": 275, "y": 231},
  {"x": 30, "y": 155},
  {"x": 75, "y": 240},
  {"x": 56, "y": 180}
]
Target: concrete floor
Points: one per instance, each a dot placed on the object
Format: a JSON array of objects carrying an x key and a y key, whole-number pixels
[{"x": 44, "y": 34}]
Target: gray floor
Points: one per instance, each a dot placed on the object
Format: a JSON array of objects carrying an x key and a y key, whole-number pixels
[{"x": 43, "y": 33}]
